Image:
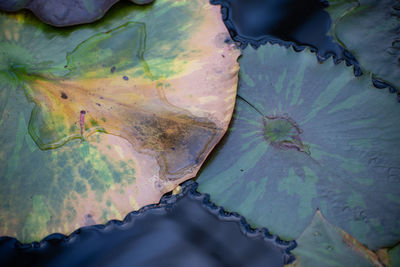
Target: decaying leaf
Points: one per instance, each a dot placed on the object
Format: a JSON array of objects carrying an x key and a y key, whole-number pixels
[
  {"x": 65, "y": 12},
  {"x": 383, "y": 256},
  {"x": 323, "y": 244},
  {"x": 114, "y": 115},
  {"x": 307, "y": 135},
  {"x": 369, "y": 29}
]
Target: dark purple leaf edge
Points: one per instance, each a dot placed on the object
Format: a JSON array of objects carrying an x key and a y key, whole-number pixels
[{"x": 61, "y": 13}]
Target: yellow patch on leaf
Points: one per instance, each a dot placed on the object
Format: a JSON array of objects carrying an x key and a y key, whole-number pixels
[{"x": 157, "y": 109}]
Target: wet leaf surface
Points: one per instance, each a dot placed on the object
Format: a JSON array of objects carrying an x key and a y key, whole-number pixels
[
  {"x": 64, "y": 12},
  {"x": 369, "y": 29},
  {"x": 323, "y": 244},
  {"x": 307, "y": 135},
  {"x": 104, "y": 118}
]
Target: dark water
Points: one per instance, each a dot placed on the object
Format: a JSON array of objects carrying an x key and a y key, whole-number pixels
[
  {"x": 287, "y": 22},
  {"x": 297, "y": 23},
  {"x": 183, "y": 230}
]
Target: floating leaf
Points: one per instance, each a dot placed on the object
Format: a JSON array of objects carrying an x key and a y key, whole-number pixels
[
  {"x": 338, "y": 9},
  {"x": 64, "y": 12},
  {"x": 289, "y": 22},
  {"x": 304, "y": 136},
  {"x": 394, "y": 256},
  {"x": 192, "y": 230},
  {"x": 323, "y": 244},
  {"x": 117, "y": 113},
  {"x": 370, "y": 31}
]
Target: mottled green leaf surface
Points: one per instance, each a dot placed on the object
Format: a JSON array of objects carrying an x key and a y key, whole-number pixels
[
  {"x": 307, "y": 135},
  {"x": 370, "y": 31},
  {"x": 102, "y": 119},
  {"x": 64, "y": 12},
  {"x": 40, "y": 190},
  {"x": 323, "y": 244}
]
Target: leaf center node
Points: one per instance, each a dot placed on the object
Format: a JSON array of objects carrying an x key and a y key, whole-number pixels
[{"x": 283, "y": 133}]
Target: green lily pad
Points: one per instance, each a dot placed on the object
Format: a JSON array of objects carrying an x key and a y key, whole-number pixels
[
  {"x": 338, "y": 9},
  {"x": 323, "y": 244},
  {"x": 370, "y": 30},
  {"x": 394, "y": 256},
  {"x": 102, "y": 119},
  {"x": 65, "y": 12},
  {"x": 307, "y": 135}
]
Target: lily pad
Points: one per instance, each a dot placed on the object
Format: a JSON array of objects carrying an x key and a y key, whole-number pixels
[
  {"x": 394, "y": 256},
  {"x": 192, "y": 230},
  {"x": 338, "y": 9},
  {"x": 369, "y": 29},
  {"x": 307, "y": 135},
  {"x": 65, "y": 12},
  {"x": 105, "y": 118},
  {"x": 285, "y": 22},
  {"x": 323, "y": 244}
]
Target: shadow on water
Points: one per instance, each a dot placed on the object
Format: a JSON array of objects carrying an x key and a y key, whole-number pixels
[{"x": 183, "y": 230}]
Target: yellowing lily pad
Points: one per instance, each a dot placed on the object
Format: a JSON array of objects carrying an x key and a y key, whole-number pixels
[
  {"x": 104, "y": 118},
  {"x": 323, "y": 244}
]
